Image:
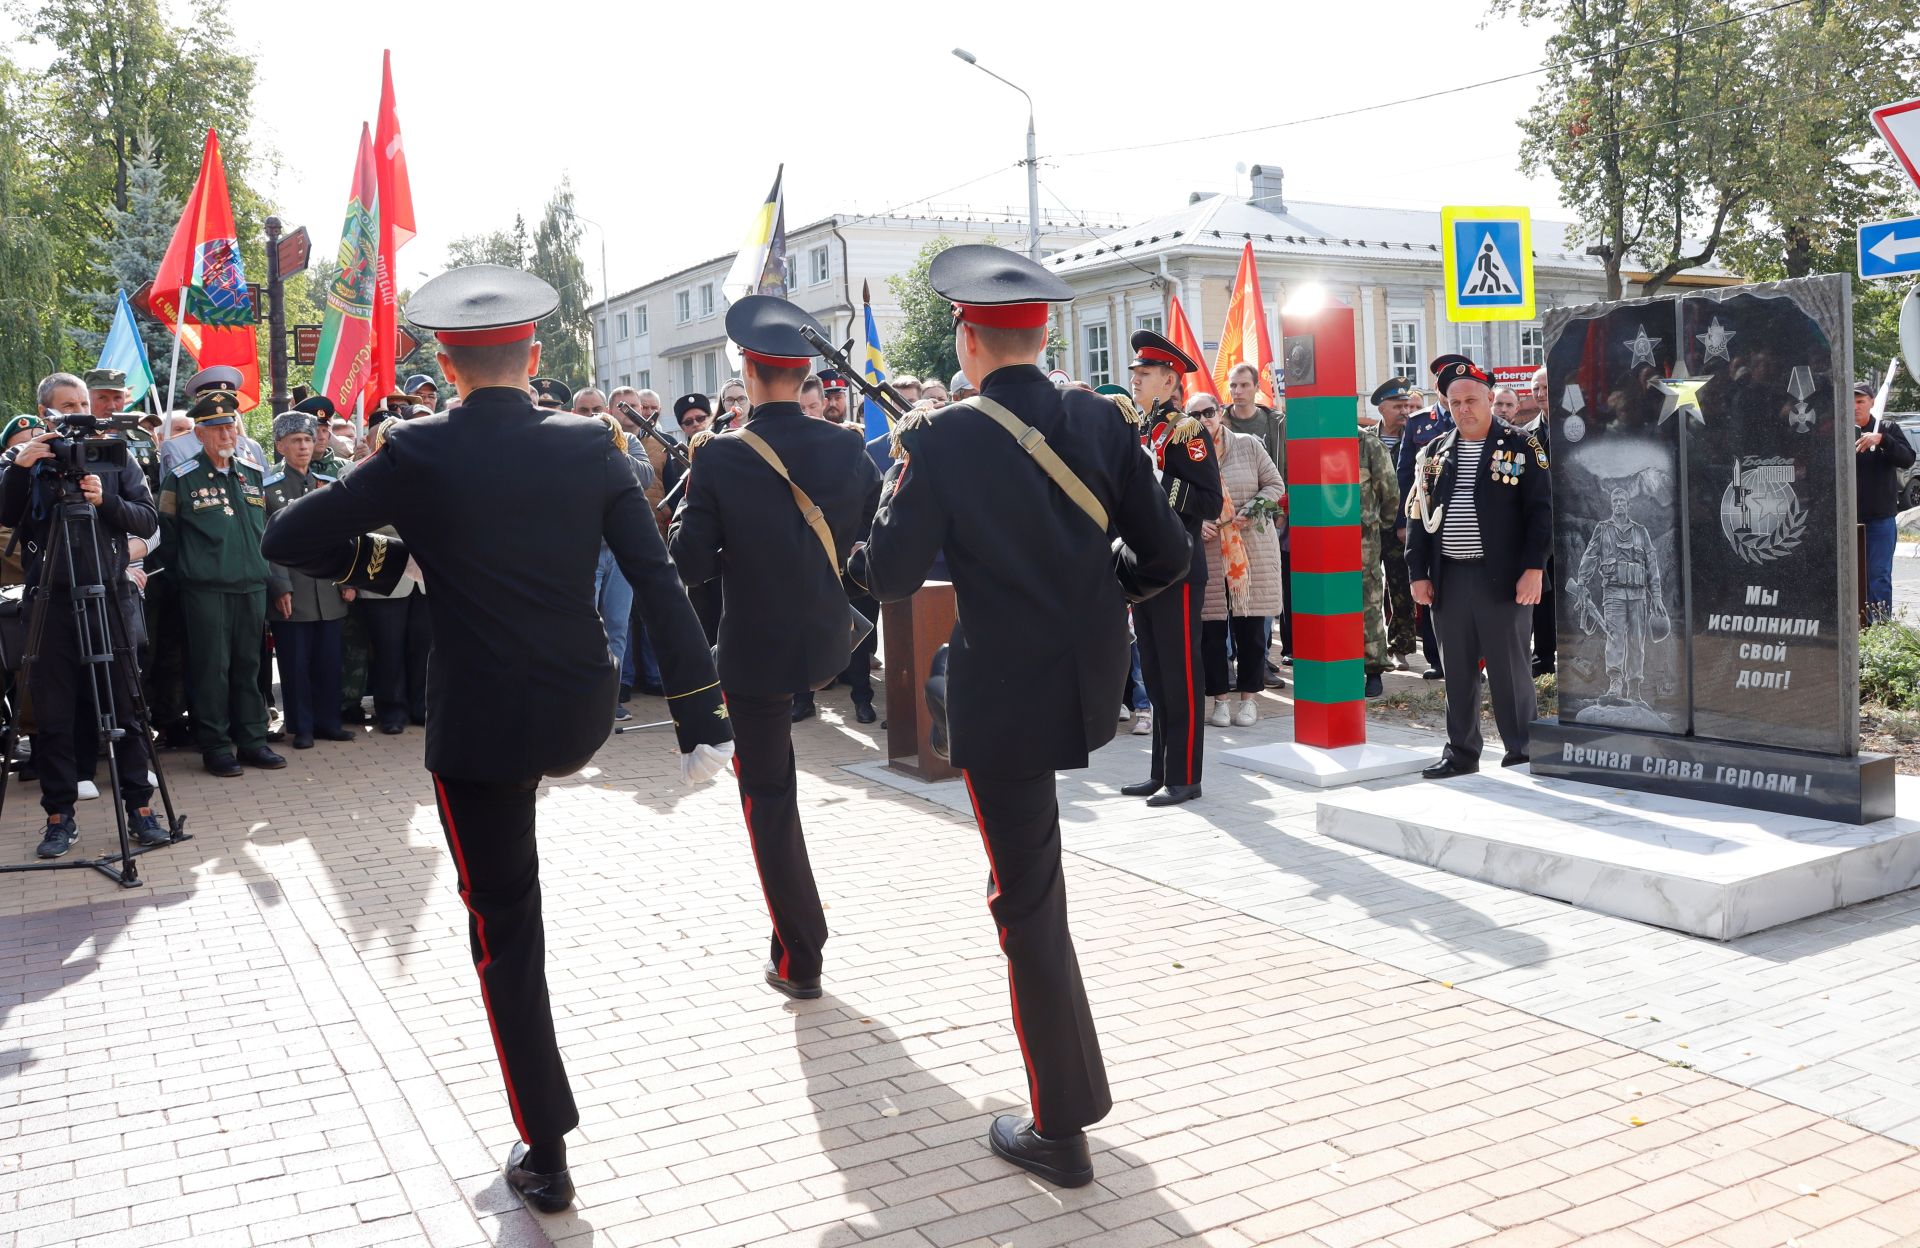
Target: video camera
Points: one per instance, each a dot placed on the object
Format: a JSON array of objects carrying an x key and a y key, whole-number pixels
[{"x": 79, "y": 451}]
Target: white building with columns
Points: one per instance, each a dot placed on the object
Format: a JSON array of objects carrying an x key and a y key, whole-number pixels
[{"x": 1385, "y": 263}]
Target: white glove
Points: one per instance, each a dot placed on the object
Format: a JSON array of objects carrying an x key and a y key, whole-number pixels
[{"x": 706, "y": 762}]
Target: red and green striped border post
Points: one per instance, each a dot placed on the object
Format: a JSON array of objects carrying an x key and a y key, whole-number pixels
[{"x": 1323, "y": 508}]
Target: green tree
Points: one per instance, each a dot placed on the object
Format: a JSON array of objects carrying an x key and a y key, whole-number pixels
[
  {"x": 1828, "y": 64},
  {"x": 1655, "y": 120},
  {"x": 123, "y": 76},
  {"x": 504, "y": 247},
  {"x": 32, "y": 345},
  {"x": 565, "y": 336},
  {"x": 128, "y": 257},
  {"x": 923, "y": 345}
]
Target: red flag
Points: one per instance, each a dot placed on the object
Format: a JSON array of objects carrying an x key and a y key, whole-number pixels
[
  {"x": 396, "y": 227},
  {"x": 1244, "y": 339},
  {"x": 1180, "y": 334},
  {"x": 200, "y": 290}
]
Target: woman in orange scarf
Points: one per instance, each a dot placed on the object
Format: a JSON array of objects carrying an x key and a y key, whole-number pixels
[{"x": 1243, "y": 588}]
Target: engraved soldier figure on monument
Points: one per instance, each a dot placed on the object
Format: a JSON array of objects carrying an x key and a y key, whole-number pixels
[{"x": 1620, "y": 570}]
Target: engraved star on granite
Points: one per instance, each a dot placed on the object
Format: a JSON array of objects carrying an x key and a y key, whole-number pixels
[
  {"x": 1715, "y": 341},
  {"x": 1642, "y": 347},
  {"x": 1683, "y": 394}
]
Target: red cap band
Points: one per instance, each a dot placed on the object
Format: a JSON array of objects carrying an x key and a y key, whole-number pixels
[
  {"x": 1154, "y": 355},
  {"x": 777, "y": 361},
  {"x": 1004, "y": 315},
  {"x": 485, "y": 337}
]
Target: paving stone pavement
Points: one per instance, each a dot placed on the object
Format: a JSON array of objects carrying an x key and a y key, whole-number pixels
[{"x": 278, "y": 1039}]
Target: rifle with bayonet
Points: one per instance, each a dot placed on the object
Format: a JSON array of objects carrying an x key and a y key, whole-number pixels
[
  {"x": 892, "y": 403},
  {"x": 650, "y": 428}
]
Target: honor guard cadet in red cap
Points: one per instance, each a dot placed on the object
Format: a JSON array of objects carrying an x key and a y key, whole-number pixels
[
  {"x": 772, "y": 509},
  {"x": 1480, "y": 527},
  {"x": 1024, "y": 487},
  {"x": 504, "y": 508},
  {"x": 1169, "y": 624}
]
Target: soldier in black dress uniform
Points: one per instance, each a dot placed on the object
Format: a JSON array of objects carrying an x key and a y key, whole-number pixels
[
  {"x": 1479, "y": 528},
  {"x": 504, "y": 508},
  {"x": 1169, "y": 624},
  {"x": 1041, "y": 647},
  {"x": 1423, "y": 427},
  {"x": 784, "y": 619}
]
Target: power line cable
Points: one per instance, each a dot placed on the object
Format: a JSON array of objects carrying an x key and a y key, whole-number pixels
[{"x": 1434, "y": 95}]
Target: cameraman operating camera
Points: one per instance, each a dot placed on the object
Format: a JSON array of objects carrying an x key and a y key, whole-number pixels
[{"x": 37, "y": 474}]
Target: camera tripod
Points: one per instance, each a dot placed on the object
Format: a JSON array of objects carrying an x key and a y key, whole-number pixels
[{"x": 103, "y": 653}]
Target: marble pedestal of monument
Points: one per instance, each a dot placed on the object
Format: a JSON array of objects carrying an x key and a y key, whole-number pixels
[
  {"x": 1710, "y": 870},
  {"x": 1328, "y": 769}
]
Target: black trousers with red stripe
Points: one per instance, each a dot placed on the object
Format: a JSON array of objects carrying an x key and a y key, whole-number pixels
[
  {"x": 1020, "y": 826},
  {"x": 489, "y": 830},
  {"x": 769, "y": 797},
  {"x": 1168, "y": 628}
]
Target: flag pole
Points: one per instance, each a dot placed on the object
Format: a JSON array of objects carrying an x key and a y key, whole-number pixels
[{"x": 173, "y": 369}]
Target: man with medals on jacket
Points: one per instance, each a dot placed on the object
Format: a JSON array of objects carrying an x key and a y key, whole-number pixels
[
  {"x": 503, "y": 507},
  {"x": 1169, "y": 624},
  {"x": 1479, "y": 529},
  {"x": 1050, "y": 521},
  {"x": 784, "y": 619}
]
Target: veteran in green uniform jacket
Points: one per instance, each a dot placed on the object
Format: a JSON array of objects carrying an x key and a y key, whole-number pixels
[{"x": 213, "y": 509}]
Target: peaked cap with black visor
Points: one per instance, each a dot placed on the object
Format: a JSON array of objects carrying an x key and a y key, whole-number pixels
[
  {"x": 995, "y": 288},
  {"x": 767, "y": 331}
]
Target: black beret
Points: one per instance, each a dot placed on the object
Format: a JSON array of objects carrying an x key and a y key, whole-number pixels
[{"x": 1451, "y": 368}]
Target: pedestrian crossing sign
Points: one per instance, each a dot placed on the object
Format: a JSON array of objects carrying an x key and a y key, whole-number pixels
[{"x": 1488, "y": 257}]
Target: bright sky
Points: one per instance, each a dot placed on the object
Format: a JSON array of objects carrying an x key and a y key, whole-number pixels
[{"x": 670, "y": 118}]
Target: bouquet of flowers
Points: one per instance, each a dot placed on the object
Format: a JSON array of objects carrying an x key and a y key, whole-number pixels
[{"x": 1263, "y": 511}]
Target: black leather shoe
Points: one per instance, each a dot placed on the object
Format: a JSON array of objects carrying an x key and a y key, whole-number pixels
[
  {"x": 1432, "y": 673},
  {"x": 393, "y": 726},
  {"x": 1145, "y": 788},
  {"x": 798, "y": 989},
  {"x": 544, "y": 1193},
  {"x": 338, "y": 734},
  {"x": 262, "y": 757},
  {"x": 226, "y": 766},
  {"x": 863, "y": 712},
  {"x": 1451, "y": 765},
  {"x": 1064, "y": 1163},
  {"x": 1174, "y": 795},
  {"x": 303, "y": 742},
  {"x": 802, "y": 710},
  {"x": 276, "y": 736},
  {"x": 1515, "y": 758},
  {"x": 1375, "y": 687}
]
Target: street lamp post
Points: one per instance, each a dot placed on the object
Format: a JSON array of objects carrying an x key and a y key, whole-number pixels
[
  {"x": 606, "y": 294},
  {"x": 1032, "y": 162}
]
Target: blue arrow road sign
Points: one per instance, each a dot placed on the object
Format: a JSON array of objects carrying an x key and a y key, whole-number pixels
[{"x": 1890, "y": 248}]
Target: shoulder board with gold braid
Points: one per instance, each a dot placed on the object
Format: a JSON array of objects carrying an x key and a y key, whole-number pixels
[
  {"x": 1186, "y": 429},
  {"x": 915, "y": 420}
]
